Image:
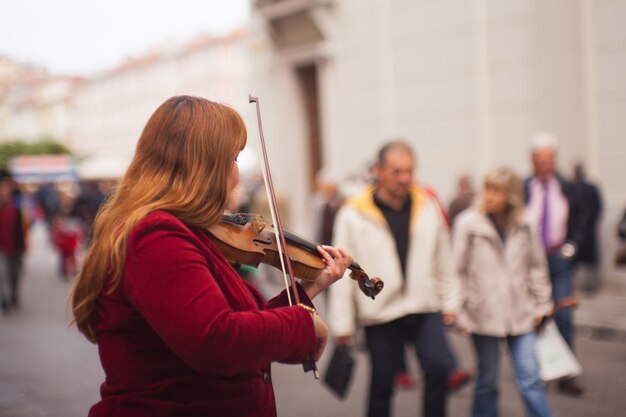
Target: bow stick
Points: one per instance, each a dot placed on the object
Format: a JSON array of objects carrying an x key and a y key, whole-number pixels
[{"x": 309, "y": 363}]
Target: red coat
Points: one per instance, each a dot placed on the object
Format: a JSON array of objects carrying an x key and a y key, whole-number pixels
[
  {"x": 11, "y": 230},
  {"x": 184, "y": 335}
]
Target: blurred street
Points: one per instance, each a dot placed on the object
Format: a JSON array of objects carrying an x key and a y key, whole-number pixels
[{"x": 48, "y": 369}]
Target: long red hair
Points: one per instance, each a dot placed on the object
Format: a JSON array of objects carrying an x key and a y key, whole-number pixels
[{"x": 181, "y": 165}]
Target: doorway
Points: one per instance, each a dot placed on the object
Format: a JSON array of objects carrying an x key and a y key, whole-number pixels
[{"x": 308, "y": 80}]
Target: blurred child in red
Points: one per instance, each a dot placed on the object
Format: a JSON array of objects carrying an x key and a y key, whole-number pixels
[{"x": 67, "y": 234}]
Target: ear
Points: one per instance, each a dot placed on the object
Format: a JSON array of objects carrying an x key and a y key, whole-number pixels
[{"x": 376, "y": 171}]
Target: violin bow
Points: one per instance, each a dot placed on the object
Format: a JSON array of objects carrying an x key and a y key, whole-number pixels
[{"x": 309, "y": 363}]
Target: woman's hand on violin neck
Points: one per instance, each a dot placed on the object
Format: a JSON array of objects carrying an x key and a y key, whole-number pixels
[{"x": 336, "y": 261}]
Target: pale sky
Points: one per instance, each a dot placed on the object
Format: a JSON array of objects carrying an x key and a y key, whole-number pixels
[{"x": 80, "y": 37}]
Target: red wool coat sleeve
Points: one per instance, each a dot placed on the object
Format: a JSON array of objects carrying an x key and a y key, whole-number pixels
[{"x": 203, "y": 311}]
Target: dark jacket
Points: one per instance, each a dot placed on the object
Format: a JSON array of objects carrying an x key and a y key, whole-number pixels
[
  {"x": 621, "y": 227},
  {"x": 591, "y": 200},
  {"x": 579, "y": 217}
]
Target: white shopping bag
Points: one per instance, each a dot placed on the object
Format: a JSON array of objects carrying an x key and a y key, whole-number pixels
[{"x": 556, "y": 359}]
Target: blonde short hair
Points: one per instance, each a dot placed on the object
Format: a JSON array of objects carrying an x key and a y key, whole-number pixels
[{"x": 506, "y": 179}]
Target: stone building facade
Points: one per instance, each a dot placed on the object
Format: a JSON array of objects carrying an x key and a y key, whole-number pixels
[{"x": 467, "y": 82}]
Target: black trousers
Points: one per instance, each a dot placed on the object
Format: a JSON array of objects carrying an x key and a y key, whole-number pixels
[{"x": 385, "y": 343}]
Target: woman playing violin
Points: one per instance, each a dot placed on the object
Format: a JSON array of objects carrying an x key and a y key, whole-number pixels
[{"x": 178, "y": 331}]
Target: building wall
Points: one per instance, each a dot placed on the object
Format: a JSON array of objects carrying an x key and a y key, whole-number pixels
[
  {"x": 110, "y": 111},
  {"x": 605, "y": 40},
  {"x": 36, "y": 109},
  {"x": 467, "y": 83},
  {"x": 609, "y": 95},
  {"x": 273, "y": 81}
]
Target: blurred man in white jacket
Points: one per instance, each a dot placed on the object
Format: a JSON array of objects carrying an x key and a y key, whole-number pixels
[{"x": 397, "y": 231}]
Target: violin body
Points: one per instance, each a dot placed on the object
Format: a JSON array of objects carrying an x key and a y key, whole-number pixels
[{"x": 247, "y": 240}]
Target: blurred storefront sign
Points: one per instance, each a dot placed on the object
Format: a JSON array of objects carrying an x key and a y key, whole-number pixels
[
  {"x": 103, "y": 167},
  {"x": 43, "y": 168}
]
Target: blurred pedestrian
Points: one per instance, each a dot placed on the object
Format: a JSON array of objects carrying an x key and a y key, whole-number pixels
[
  {"x": 326, "y": 202},
  {"x": 506, "y": 290},
  {"x": 12, "y": 246},
  {"x": 47, "y": 200},
  {"x": 588, "y": 252},
  {"x": 621, "y": 227},
  {"x": 463, "y": 199},
  {"x": 86, "y": 206},
  {"x": 620, "y": 255},
  {"x": 397, "y": 231},
  {"x": 562, "y": 218},
  {"x": 67, "y": 232}
]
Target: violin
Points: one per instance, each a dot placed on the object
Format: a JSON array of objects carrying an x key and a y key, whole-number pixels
[{"x": 245, "y": 239}]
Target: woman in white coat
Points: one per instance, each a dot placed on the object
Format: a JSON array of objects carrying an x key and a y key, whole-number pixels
[{"x": 506, "y": 290}]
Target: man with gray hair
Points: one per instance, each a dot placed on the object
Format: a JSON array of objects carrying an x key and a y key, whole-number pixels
[{"x": 556, "y": 205}]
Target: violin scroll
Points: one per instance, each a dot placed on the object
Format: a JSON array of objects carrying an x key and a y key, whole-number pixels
[{"x": 368, "y": 286}]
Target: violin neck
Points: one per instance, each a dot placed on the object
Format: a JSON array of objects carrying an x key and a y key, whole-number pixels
[
  {"x": 301, "y": 242},
  {"x": 311, "y": 246}
]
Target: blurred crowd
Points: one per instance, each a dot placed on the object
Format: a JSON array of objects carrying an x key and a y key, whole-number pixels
[
  {"x": 66, "y": 210},
  {"x": 516, "y": 245}
]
